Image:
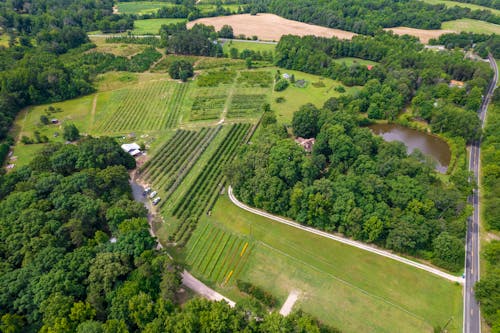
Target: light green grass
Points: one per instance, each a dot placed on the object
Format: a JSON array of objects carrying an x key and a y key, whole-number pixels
[
  {"x": 207, "y": 8},
  {"x": 4, "y": 40},
  {"x": 351, "y": 289},
  {"x": 463, "y": 5},
  {"x": 296, "y": 97},
  {"x": 141, "y": 7},
  {"x": 152, "y": 26},
  {"x": 240, "y": 46},
  {"x": 350, "y": 61},
  {"x": 469, "y": 25}
]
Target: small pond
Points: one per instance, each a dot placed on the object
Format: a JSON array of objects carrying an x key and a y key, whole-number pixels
[{"x": 428, "y": 144}]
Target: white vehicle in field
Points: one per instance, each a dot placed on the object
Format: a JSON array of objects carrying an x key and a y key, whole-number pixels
[
  {"x": 156, "y": 200},
  {"x": 153, "y": 194}
]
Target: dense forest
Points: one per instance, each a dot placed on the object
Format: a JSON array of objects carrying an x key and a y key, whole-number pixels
[
  {"x": 480, "y": 43},
  {"x": 407, "y": 74},
  {"x": 77, "y": 255},
  {"x": 356, "y": 184}
]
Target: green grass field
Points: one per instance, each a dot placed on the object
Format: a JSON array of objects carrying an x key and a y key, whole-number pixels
[
  {"x": 252, "y": 46},
  {"x": 339, "y": 284},
  {"x": 141, "y": 7},
  {"x": 350, "y": 61},
  {"x": 317, "y": 91},
  {"x": 152, "y": 26},
  {"x": 461, "y": 4},
  {"x": 469, "y": 25}
]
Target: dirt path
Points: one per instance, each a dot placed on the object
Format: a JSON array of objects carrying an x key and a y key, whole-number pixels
[
  {"x": 187, "y": 279},
  {"x": 344, "y": 240},
  {"x": 92, "y": 113},
  {"x": 290, "y": 301}
]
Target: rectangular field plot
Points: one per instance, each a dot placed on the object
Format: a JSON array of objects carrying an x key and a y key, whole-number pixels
[
  {"x": 149, "y": 106},
  {"x": 215, "y": 78},
  {"x": 261, "y": 79},
  {"x": 207, "y": 107},
  {"x": 217, "y": 255},
  {"x": 243, "y": 105},
  {"x": 173, "y": 161}
]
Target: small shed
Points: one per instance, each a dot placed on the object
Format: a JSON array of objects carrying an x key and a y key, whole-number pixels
[
  {"x": 307, "y": 144},
  {"x": 286, "y": 76},
  {"x": 132, "y": 148}
]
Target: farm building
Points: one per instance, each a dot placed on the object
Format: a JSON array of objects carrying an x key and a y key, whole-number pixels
[
  {"x": 286, "y": 76},
  {"x": 307, "y": 144},
  {"x": 132, "y": 148},
  {"x": 369, "y": 67}
]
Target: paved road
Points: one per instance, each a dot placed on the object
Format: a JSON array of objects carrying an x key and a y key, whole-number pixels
[
  {"x": 200, "y": 288},
  {"x": 472, "y": 315},
  {"x": 347, "y": 241}
]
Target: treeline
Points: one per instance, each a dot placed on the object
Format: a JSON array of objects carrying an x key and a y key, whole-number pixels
[
  {"x": 152, "y": 41},
  {"x": 199, "y": 40},
  {"x": 488, "y": 288},
  {"x": 77, "y": 255},
  {"x": 356, "y": 184},
  {"x": 97, "y": 62},
  {"x": 480, "y": 43},
  {"x": 406, "y": 74},
  {"x": 486, "y": 3},
  {"x": 35, "y": 16},
  {"x": 368, "y": 16}
]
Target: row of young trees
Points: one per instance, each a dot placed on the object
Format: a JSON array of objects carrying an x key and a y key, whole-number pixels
[
  {"x": 405, "y": 74},
  {"x": 354, "y": 183}
]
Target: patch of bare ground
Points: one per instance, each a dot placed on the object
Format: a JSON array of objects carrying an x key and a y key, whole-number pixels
[
  {"x": 423, "y": 35},
  {"x": 270, "y": 26}
]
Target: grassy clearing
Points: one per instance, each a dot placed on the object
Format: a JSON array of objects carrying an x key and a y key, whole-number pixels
[
  {"x": 252, "y": 46},
  {"x": 317, "y": 91},
  {"x": 152, "y": 26},
  {"x": 471, "y": 6},
  {"x": 349, "y": 61},
  {"x": 339, "y": 284},
  {"x": 141, "y": 7},
  {"x": 4, "y": 40},
  {"x": 123, "y": 50},
  {"x": 207, "y": 8},
  {"x": 469, "y": 25}
]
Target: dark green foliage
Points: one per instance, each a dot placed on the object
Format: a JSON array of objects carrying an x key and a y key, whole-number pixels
[
  {"x": 70, "y": 132},
  {"x": 152, "y": 41},
  {"x": 199, "y": 40},
  {"x": 142, "y": 61},
  {"x": 281, "y": 85},
  {"x": 181, "y": 69},
  {"x": 305, "y": 121},
  {"x": 226, "y": 32},
  {"x": 44, "y": 120},
  {"x": 265, "y": 297},
  {"x": 488, "y": 288},
  {"x": 353, "y": 183}
]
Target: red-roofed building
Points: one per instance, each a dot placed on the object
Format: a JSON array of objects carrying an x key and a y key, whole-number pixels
[{"x": 369, "y": 67}]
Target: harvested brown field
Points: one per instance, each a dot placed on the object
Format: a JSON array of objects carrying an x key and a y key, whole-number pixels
[
  {"x": 423, "y": 35},
  {"x": 270, "y": 26}
]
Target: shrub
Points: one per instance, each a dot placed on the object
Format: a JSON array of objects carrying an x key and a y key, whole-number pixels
[
  {"x": 70, "y": 132},
  {"x": 340, "y": 89},
  {"x": 257, "y": 292},
  {"x": 181, "y": 69},
  {"x": 281, "y": 85}
]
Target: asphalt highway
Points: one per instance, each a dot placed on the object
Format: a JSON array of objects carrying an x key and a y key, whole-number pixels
[{"x": 472, "y": 314}]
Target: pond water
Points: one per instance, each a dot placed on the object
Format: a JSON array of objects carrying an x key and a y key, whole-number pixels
[{"x": 428, "y": 144}]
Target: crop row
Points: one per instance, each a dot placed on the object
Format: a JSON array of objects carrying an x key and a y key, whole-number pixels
[
  {"x": 175, "y": 105},
  {"x": 140, "y": 108},
  {"x": 243, "y": 104},
  {"x": 255, "y": 78},
  {"x": 204, "y": 191},
  {"x": 217, "y": 255},
  {"x": 207, "y": 107}
]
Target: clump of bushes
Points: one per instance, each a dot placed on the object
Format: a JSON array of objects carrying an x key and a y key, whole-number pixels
[
  {"x": 260, "y": 294},
  {"x": 281, "y": 85}
]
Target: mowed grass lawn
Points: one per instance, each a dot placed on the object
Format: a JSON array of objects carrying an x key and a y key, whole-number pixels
[
  {"x": 317, "y": 91},
  {"x": 152, "y": 26},
  {"x": 349, "y": 61},
  {"x": 469, "y": 25},
  {"x": 460, "y": 4},
  {"x": 348, "y": 288},
  {"x": 252, "y": 46}
]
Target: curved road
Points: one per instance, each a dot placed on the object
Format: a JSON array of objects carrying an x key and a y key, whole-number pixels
[
  {"x": 347, "y": 241},
  {"x": 472, "y": 314}
]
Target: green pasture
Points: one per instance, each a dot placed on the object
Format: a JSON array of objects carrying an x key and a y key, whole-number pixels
[
  {"x": 351, "y": 289},
  {"x": 141, "y": 7},
  {"x": 471, "y": 6},
  {"x": 152, "y": 26},
  {"x": 349, "y": 61},
  {"x": 207, "y": 8},
  {"x": 317, "y": 91},
  {"x": 249, "y": 45},
  {"x": 469, "y": 25}
]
